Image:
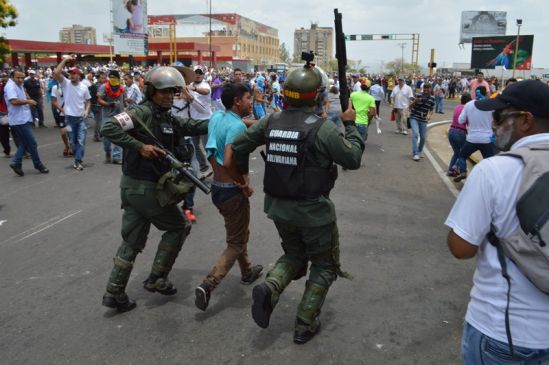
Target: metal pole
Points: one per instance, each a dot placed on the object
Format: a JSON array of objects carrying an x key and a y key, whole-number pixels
[
  {"x": 210, "y": 42},
  {"x": 516, "y": 48}
]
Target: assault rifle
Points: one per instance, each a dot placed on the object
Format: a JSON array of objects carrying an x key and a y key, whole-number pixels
[
  {"x": 183, "y": 169},
  {"x": 341, "y": 55}
]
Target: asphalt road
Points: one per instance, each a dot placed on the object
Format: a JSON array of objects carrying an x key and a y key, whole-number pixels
[{"x": 59, "y": 232}]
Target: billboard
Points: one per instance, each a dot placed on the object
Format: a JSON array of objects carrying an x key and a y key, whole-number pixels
[
  {"x": 482, "y": 24},
  {"x": 129, "y": 20},
  {"x": 489, "y": 52}
]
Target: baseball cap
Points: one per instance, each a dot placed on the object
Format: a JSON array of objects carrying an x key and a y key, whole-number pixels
[
  {"x": 198, "y": 71},
  {"x": 529, "y": 95},
  {"x": 75, "y": 70},
  {"x": 32, "y": 72},
  {"x": 114, "y": 73}
]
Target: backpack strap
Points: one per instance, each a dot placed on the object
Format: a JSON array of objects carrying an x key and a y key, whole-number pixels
[{"x": 494, "y": 240}]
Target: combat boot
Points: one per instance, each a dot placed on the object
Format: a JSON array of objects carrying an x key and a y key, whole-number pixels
[
  {"x": 161, "y": 285},
  {"x": 304, "y": 332},
  {"x": 120, "y": 302},
  {"x": 307, "y": 323},
  {"x": 262, "y": 306}
]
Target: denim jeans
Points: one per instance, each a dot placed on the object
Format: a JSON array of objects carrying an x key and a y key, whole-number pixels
[
  {"x": 363, "y": 131},
  {"x": 486, "y": 149},
  {"x": 188, "y": 202},
  {"x": 456, "y": 137},
  {"x": 439, "y": 103},
  {"x": 77, "y": 135},
  {"x": 335, "y": 117},
  {"x": 98, "y": 117},
  {"x": 479, "y": 349},
  {"x": 419, "y": 131},
  {"x": 26, "y": 143},
  {"x": 112, "y": 149},
  {"x": 38, "y": 111},
  {"x": 197, "y": 141}
]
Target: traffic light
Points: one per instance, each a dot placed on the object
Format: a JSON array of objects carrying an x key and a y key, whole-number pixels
[
  {"x": 386, "y": 36},
  {"x": 433, "y": 65},
  {"x": 353, "y": 37}
]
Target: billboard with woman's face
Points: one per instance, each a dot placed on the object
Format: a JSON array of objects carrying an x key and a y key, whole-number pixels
[{"x": 129, "y": 26}]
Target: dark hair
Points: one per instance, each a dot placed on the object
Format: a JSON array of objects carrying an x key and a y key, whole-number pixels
[
  {"x": 482, "y": 90},
  {"x": 480, "y": 74},
  {"x": 231, "y": 91},
  {"x": 334, "y": 89},
  {"x": 364, "y": 87},
  {"x": 465, "y": 98},
  {"x": 512, "y": 79},
  {"x": 237, "y": 69}
]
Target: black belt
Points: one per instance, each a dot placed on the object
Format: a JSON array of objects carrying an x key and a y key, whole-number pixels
[{"x": 462, "y": 129}]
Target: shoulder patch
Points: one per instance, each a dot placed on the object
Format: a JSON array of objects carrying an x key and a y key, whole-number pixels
[{"x": 125, "y": 121}]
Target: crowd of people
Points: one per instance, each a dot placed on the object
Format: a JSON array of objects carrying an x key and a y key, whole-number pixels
[{"x": 216, "y": 118}]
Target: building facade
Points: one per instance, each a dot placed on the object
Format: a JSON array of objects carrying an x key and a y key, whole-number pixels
[
  {"x": 320, "y": 40},
  {"x": 238, "y": 37},
  {"x": 78, "y": 34}
]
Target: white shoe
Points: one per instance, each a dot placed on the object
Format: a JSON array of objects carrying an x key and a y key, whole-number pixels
[
  {"x": 398, "y": 131},
  {"x": 416, "y": 158},
  {"x": 405, "y": 132},
  {"x": 378, "y": 131}
]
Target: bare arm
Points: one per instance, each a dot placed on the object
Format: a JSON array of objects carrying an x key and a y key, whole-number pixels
[
  {"x": 459, "y": 247},
  {"x": 57, "y": 72}
]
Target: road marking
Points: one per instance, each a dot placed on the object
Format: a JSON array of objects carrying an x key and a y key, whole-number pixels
[
  {"x": 2, "y": 222},
  {"x": 41, "y": 227},
  {"x": 439, "y": 169}
]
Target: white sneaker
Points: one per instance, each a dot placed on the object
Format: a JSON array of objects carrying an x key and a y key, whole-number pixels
[
  {"x": 378, "y": 131},
  {"x": 398, "y": 131},
  {"x": 405, "y": 132},
  {"x": 416, "y": 158}
]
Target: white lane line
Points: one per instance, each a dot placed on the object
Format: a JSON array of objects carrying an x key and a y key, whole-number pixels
[
  {"x": 439, "y": 169},
  {"x": 2, "y": 222},
  {"x": 41, "y": 227},
  {"x": 440, "y": 172}
]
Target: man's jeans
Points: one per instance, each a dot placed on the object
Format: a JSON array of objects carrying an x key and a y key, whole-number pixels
[
  {"x": 479, "y": 349},
  {"x": 362, "y": 130},
  {"x": 486, "y": 149},
  {"x": 439, "y": 103},
  {"x": 197, "y": 140},
  {"x": 38, "y": 111},
  {"x": 98, "y": 117},
  {"x": 456, "y": 137},
  {"x": 77, "y": 135},
  {"x": 419, "y": 130},
  {"x": 26, "y": 143},
  {"x": 111, "y": 149}
]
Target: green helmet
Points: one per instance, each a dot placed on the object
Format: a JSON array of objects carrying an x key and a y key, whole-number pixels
[
  {"x": 162, "y": 77},
  {"x": 301, "y": 87}
]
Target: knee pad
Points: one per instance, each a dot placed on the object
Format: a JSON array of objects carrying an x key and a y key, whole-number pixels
[{"x": 311, "y": 302}]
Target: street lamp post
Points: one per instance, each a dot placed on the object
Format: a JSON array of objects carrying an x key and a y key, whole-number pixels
[
  {"x": 402, "y": 46},
  {"x": 519, "y": 23}
]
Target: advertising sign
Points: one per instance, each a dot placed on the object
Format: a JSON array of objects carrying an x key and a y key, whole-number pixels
[
  {"x": 129, "y": 26},
  {"x": 489, "y": 52},
  {"x": 482, "y": 24}
]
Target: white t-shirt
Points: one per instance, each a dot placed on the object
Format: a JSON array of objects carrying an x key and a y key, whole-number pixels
[
  {"x": 202, "y": 109},
  {"x": 75, "y": 98},
  {"x": 17, "y": 114},
  {"x": 356, "y": 86},
  {"x": 401, "y": 97},
  {"x": 489, "y": 196},
  {"x": 480, "y": 123},
  {"x": 58, "y": 94}
]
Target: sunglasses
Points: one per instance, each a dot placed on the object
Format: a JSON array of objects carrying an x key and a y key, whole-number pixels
[{"x": 499, "y": 116}]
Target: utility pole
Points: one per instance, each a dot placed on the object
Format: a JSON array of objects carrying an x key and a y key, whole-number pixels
[
  {"x": 519, "y": 23},
  {"x": 210, "y": 42},
  {"x": 432, "y": 64},
  {"x": 402, "y": 46}
]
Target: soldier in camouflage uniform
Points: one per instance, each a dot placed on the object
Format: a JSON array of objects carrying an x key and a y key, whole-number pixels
[
  {"x": 301, "y": 149},
  {"x": 142, "y": 167}
]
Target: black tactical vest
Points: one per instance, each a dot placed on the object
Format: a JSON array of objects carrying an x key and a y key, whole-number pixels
[
  {"x": 161, "y": 125},
  {"x": 291, "y": 169}
]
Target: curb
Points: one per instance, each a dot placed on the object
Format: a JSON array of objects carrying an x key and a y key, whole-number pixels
[{"x": 473, "y": 159}]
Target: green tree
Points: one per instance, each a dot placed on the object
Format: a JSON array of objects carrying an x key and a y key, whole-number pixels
[
  {"x": 296, "y": 58},
  {"x": 284, "y": 54},
  {"x": 397, "y": 68},
  {"x": 8, "y": 14}
]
